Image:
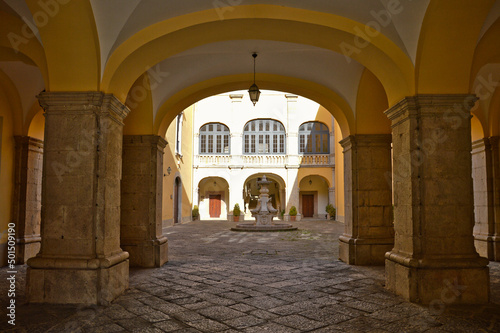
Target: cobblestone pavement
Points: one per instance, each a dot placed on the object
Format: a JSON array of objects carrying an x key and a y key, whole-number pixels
[{"x": 223, "y": 281}]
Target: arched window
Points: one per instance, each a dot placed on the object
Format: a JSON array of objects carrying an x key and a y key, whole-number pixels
[
  {"x": 214, "y": 139},
  {"x": 314, "y": 138},
  {"x": 264, "y": 136}
]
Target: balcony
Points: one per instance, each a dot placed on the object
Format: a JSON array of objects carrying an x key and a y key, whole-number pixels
[{"x": 207, "y": 161}]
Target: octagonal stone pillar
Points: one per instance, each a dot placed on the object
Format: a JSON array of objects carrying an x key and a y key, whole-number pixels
[
  {"x": 80, "y": 260},
  {"x": 141, "y": 200},
  {"x": 369, "y": 232},
  {"x": 434, "y": 259}
]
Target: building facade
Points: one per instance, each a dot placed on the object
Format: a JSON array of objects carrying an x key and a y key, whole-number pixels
[{"x": 288, "y": 138}]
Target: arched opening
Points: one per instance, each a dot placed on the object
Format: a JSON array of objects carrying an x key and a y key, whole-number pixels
[
  {"x": 213, "y": 198},
  {"x": 277, "y": 192},
  {"x": 313, "y": 196}
]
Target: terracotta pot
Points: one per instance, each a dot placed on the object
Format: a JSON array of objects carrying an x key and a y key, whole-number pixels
[
  {"x": 292, "y": 218},
  {"x": 236, "y": 218}
]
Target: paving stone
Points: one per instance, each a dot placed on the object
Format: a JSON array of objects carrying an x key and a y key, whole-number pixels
[
  {"x": 187, "y": 316},
  {"x": 133, "y": 323},
  {"x": 168, "y": 325},
  {"x": 242, "y": 307},
  {"x": 221, "y": 313},
  {"x": 208, "y": 325},
  {"x": 214, "y": 287},
  {"x": 271, "y": 328},
  {"x": 155, "y": 316},
  {"x": 299, "y": 322},
  {"x": 326, "y": 315},
  {"x": 264, "y": 302},
  {"x": 245, "y": 321}
]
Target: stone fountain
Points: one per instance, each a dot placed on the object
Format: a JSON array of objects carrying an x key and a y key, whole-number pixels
[{"x": 264, "y": 213}]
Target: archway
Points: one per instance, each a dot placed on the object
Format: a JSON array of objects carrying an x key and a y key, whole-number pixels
[
  {"x": 213, "y": 198},
  {"x": 177, "y": 193},
  {"x": 277, "y": 192},
  {"x": 313, "y": 196}
]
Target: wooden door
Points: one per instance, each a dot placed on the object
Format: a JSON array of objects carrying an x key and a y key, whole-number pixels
[
  {"x": 308, "y": 205},
  {"x": 214, "y": 205}
]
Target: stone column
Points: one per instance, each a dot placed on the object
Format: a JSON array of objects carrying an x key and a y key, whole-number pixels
[
  {"x": 292, "y": 192},
  {"x": 141, "y": 232},
  {"x": 434, "y": 260},
  {"x": 495, "y": 175},
  {"x": 369, "y": 231},
  {"x": 80, "y": 260},
  {"x": 27, "y": 201},
  {"x": 483, "y": 197}
]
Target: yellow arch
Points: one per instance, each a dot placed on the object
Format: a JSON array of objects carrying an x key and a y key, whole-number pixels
[
  {"x": 12, "y": 96},
  {"x": 34, "y": 121},
  {"x": 266, "y": 22},
  {"x": 15, "y": 45},
  {"x": 71, "y": 45},
  {"x": 303, "y": 173},
  {"x": 335, "y": 104},
  {"x": 139, "y": 121},
  {"x": 487, "y": 50},
  {"x": 371, "y": 103},
  {"x": 494, "y": 113},
  {"x": 449, "y": 28}
]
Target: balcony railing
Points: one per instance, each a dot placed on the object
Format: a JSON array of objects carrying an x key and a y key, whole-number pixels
[
  {"x": 205, "y": 160},
  {"x": 262, "y": 160},
  {"x": 315, "y": 160}
]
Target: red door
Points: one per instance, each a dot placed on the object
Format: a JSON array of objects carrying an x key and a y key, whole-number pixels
[
  {"x": 308, "y": 205},
  {"x": 214, "y": 206}
]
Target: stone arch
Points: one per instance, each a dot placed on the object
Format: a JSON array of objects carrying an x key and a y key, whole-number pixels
[
  {"x": 214, "y": 197},
  {"x": 313, "y": 195},
  {"x": 265, "y": 22},
  {"x": 330, "y": 100}
]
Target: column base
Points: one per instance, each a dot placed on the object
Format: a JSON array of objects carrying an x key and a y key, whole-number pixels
[
  {"x": 364, "y": 252},
  {"x": 488, "y": 247},
  {"x": 86, "y": 282},
  {"x": 149, "y": 254},
  {"x": 438, "y": 282},
  {"x": 26, "y": 249}
]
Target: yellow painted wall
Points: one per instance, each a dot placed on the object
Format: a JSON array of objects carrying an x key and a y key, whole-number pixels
[
  {"x": 339, "y": 174},
  {"x": 6, "y": 173},
  {"x": 179, "y": 166},
  {"x": 37, "y": 126}
]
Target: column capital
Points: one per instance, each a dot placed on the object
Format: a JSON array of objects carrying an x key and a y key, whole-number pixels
[
  {"x": 145, "y": 140},
  {"x": 365, "y": 140},
  {"x": 431, "y": 105},
  {"x": 83, "y": 102}
]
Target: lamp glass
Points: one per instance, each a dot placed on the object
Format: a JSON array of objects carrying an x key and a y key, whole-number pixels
[{"x": 254, "y": 93}]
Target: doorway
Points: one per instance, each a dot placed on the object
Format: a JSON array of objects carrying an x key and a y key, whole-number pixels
[
  {"x": 308, "y": 205},
  {"x": 177, "y": 200},
  {"x": 214, "y": 205}
]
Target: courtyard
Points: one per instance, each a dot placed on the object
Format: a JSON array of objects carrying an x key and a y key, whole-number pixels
[{"x": 217, "y": 280}]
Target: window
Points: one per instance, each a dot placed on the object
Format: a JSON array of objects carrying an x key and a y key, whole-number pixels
[
  {"x": 178, "y": 134},
  {"x": 214, "y": 139},
  {"x": 314, "y": 138},
  {"x": 264, "y": 136}
]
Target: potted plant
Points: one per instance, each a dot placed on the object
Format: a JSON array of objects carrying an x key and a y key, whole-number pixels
[
  {"x": 196, "y": 213},
  {"x": 331, "y": 211},
  {"x": 236, "y": 213},
  {"x": 293, "y": 213}
]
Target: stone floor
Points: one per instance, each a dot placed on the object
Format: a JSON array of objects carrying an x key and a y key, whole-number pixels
[{"x": 223, "y": 281}]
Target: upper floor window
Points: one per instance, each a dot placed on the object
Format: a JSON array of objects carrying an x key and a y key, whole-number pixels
[
  {"x": 264, "y": 136},
  {"x": 178, "y": 134},
  {"x": 214, "y": 139},
  {"x": 314, "y": 138}
]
